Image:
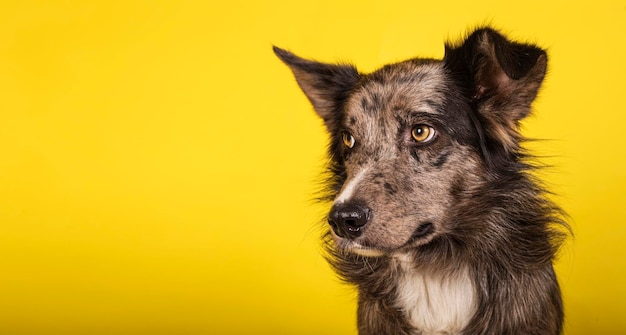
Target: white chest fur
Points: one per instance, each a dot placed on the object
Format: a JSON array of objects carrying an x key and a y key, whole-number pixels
[{"x": 436, "y": 304}]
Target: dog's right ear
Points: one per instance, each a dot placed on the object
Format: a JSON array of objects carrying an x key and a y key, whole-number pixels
[
  {"x": 504, "y": 78},
  {"x": 326, "y": 85}
]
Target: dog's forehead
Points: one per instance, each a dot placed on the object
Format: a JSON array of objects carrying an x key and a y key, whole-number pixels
[{"x": 398, "y": 89}]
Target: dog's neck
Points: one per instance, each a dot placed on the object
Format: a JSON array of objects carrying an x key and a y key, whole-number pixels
[{"x": 434, "y": 302}]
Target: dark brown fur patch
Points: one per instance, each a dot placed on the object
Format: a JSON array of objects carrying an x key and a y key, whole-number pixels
[
  {"x": 390, "y": 189},
  {"x": 441, "y": 160}
]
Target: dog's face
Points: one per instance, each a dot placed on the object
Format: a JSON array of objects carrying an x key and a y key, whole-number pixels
[
  {"x": 407, "y": 152},
  {"x": 413, "y": 140}
]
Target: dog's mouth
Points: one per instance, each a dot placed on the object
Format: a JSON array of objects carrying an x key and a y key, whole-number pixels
[
  {"x": 421, "y": 232},
  {"x": 361, "y": 250},
  {"x": 420, "y": 235}
]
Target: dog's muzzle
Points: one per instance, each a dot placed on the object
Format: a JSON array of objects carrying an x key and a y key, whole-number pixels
[{"x": 348, "y": 219}]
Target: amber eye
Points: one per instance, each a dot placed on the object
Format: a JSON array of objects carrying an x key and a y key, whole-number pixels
[
  {"x": 348, "y": 140},
  {"x": 423, "y": 133}
]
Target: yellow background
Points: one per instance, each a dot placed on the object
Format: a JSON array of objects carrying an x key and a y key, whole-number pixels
[{"x": 158, "y": 163}]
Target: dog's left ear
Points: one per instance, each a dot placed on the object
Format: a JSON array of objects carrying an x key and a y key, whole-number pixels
[
  {"x": 502, "y": 79},
  {"x": 326, "y": 85}
]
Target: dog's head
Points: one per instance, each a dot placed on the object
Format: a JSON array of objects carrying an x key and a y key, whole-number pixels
[{"x": 412, "y": 141}]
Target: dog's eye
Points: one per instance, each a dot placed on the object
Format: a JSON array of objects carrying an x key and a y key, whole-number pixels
[
  {"x": 423, "y": 133},
  {"x": 348, "y": 139}
]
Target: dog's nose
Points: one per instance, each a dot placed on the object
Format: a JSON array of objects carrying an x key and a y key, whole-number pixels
[{"x": 347, "y": 220}]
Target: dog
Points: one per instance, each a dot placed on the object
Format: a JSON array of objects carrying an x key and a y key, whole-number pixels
[{"x": 436, "y": 217}]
